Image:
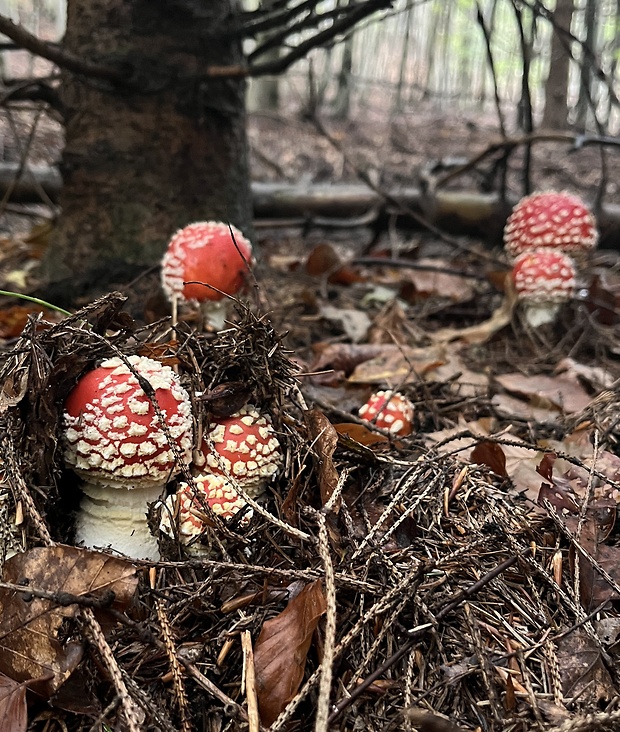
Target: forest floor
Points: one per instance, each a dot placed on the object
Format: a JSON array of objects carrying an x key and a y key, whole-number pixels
[{"x": 468, "y": 570}]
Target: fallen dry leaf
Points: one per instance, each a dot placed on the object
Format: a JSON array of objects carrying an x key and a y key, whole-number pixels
[
  {"x": 13, "y": 707},
  {"x": 582, "y": 670},
  {"x": 510, "y": 407},
  {"x": 325, "y": 440},
  {"x": 427, "y": 283},
  {"x": 30, "y": 628},
  {"x": 395, "y": 364},
  {"x": 597, "y": 377},
  {"x": 345, "y": 356},
  {"x": 490, "y": 454},
  {"x": 481, "y": 332},
  {"x": 360, "y": 434},
  {"x": 561, "y": 392},
  {"x": 355, "y": 323},
  {"x": 325, "y": 261},
  {"x": 281, "y": 650}
]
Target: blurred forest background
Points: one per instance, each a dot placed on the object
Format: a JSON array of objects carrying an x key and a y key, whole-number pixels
[{"x": 410, "y": 93}]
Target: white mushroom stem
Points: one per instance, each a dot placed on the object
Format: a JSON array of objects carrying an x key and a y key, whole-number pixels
[
  {"x": 115, "y": 517},
  {"x": 541, "y": 313},
  {"x": 213, "y": 314}
]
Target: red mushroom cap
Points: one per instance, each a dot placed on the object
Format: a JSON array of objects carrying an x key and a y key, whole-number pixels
[
  {"x": 205, "y": 252},
  {"x": 244, "y": 446},
  {"x": 389, "y": 410},
  {"x": 187, "y": 506},
  {"x": 544, "y": 275},
  {"x": 112, "y": 434},
  {"x": 550, "y": 219}
]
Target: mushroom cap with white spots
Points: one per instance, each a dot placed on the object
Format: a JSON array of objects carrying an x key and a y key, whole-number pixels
[
  {"x": 389, "y": 410},
  {"x": 185, "y": 509},
  {"x": 243, "y": 446},
  {"x": 111, "y": 431},
  {"x": 205, "y": 252},
  {"x": 544, "y": 275},
  {"x": 550, "y": 220}
]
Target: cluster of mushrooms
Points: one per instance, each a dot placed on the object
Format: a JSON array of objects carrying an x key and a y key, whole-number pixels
[
  {"x": 128, "y": 427},
  {"x": 548, "y": 235}
]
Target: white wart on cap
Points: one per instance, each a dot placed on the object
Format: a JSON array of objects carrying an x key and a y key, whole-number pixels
[{"x": 245, "y": 447}]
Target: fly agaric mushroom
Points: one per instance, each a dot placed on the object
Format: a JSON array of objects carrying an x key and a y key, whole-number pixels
[
  {"x": 244, "y": 447},
  {"x": 543, "y": 280},
  {"x": 389, "y": 410},
  {"x": 550, "y": 220},
  {"x": 205, "y": 262},
  {"x": 113, "y": 438},
  {"x": 184, "y": 510}
]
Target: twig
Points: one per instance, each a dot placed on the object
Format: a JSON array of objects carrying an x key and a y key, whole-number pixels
[
  {"x": 327, "y": 662},
  {"x": 250, "y": 681},
  {"x": 416, "y": 633},
  {"x": 128, "y": 706}
]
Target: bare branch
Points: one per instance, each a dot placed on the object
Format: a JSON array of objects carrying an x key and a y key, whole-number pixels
[
  {"x": 355, "y": 14},
  {"x": 50, "y": 51}
]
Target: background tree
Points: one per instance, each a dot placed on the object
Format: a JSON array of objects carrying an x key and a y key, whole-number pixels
[
  {"x": 152, "y": 97},
  {"x": 556, "y": 87}
]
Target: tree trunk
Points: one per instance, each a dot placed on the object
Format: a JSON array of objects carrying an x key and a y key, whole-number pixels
[
  {"x": 586, "y": 104},
  {"x": 556, "y": 87},
  {"x": 341, "y": 105},
  {"x": 143, "y": 159}
]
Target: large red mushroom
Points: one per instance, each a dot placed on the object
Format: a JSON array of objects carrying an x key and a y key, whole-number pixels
[
  {"x": 551, "y": 220},
  {"x": 204, "y": 262},
  {"x": 113, "y": 437}
]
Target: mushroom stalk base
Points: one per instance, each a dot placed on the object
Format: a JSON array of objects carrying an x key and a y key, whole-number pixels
[
  {"x": 115, "y": 518},
  {"x": 538, "y": 314}
]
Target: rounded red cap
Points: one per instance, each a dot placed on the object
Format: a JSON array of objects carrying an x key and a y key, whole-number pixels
[
  {"x": 244, "y": 446},
  {"x": 186, "y": 506},
  {"x": 544, "y": 275},
  {"x": 205, "y": 252},
  {"x": 550, "y": 220},
  {"x": 111, "y": 431},
  {"x": 389, "y": 410}
]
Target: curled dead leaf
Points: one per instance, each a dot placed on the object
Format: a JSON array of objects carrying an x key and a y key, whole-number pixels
[
  {"x": 325, "y": 439},
  {"x": 281, "y": 650}
]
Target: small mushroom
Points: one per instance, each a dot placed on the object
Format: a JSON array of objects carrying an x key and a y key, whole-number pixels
[
  {"x": 543, "y": 280},
  {"x": 204, "y": 262},
  {"x": 389, "y": 410},
  {"x": 244, "y": 447},
  {"x": 184, "y": 510},
  {"x": 551, "y": 220},
  {"x": 114, "y": 439}
]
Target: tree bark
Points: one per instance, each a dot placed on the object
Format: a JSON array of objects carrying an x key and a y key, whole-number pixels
[
  {"x": 556, "y": 87},
  {"x": 169, "y": 147}
]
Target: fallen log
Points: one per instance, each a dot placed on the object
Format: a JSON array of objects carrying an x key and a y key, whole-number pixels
[{"x": 462, "y": 212}]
